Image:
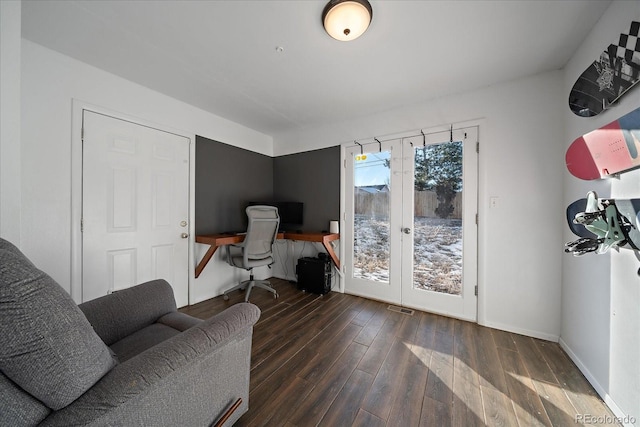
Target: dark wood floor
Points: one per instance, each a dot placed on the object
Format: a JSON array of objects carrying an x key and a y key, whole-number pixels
[{"x": 341, "y": 360}]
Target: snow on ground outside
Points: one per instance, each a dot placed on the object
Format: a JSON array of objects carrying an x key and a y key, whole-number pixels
[{"x": 437, "y": 252}]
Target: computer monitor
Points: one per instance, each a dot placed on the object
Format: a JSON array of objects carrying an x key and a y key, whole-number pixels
[{"x": 291, "y": 213}]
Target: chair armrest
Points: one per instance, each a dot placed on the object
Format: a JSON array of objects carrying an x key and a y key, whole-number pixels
[
  {"x": 182, "y": 377},
  {"x": 124, "y": 312},
  {"x": 233, "y": 249}
]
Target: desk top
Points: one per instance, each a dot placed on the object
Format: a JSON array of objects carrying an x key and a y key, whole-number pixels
[
  {"x": 221, "y": 239},
  {"x": 216, "y": 240}
]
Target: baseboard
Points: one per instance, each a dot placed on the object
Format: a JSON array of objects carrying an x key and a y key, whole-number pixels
[
  {"x": 520, "y": 331},
  {"x": 204, "y": 297},
  {"x": 622, "y": 417},
  {"x": 290, "y": 278},
  {"x": 596, "y": 385}
]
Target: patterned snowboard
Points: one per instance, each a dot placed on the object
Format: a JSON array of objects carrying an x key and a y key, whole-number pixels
[
  {"x": 610, "y": 150},
  {"x": 608, "y": 78}
]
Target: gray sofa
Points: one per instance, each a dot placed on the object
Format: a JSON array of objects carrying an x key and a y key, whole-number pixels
[{"x": 129, "y": 358}]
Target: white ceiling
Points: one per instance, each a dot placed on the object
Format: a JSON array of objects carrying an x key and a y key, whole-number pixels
[{"x": 221, "y": 56}]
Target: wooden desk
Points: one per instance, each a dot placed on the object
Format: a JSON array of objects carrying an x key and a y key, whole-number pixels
[{"x": 216, "y": 240}]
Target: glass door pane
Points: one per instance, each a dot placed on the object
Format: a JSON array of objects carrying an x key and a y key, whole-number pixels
[
  {"x": 438, "y": 218},
  {"x": 371, "y": 216}
]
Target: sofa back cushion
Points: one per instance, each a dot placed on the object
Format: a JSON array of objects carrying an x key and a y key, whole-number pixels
[
  {"x": 19, "y": 408},
  {"x": 47, "y": 346},
  {"x": 122, "y": 313}
]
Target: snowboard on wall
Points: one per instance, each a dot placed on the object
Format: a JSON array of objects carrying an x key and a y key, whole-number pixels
[
  {"x": 609, "y": 150},
  {"x": 603, "y": 224},
  {"x": 609, "y": 77}
]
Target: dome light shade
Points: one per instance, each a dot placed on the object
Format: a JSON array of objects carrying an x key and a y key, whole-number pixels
[{"x": 347, "y": 20}]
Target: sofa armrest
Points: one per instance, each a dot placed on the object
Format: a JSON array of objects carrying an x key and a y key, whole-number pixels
[
  {"x": 124, "y": 312},
  {"x": 189, "y": 379}
]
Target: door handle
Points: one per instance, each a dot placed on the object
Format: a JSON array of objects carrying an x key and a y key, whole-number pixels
[
  {"x": 184, "y": 235},
  {"x": 406, "y": 230}
]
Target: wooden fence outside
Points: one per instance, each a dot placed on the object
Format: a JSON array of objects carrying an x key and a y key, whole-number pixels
[{"x": 425, "y": 202}]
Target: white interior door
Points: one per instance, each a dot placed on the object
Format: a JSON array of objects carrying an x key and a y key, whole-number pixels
[
  {"x": 410, "y": 216},
  {"x": 135, "y": 207}
]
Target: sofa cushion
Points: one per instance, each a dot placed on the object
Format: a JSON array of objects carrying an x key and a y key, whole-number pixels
[
  {"x": 179, "y": 321},
  {"x": 19, "y": 408},
  {"x": 122, "y": 313},
  {"x": 8, "y": 246},
  {"x": 47, "y": 346}
]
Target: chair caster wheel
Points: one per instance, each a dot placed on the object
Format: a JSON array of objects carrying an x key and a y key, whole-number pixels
[
  {"x": 275, "y": 296},
  {"x": 225, "y": 297}
]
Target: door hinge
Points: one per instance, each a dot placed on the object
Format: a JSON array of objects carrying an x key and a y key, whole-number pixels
[
  {"x": 82, "y": 225},
  {"x": 478, "y": 147},
  {"x": 82, "y": 134},
  {"x": 476, "y": 219},
  {"x": 476, "y": 290}
]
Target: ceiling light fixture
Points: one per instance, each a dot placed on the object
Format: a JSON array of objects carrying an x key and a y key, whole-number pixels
[{"x": 346, "y": 20}]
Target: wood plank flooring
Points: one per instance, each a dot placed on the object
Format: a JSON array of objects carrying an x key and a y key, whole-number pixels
[{"x": 342, "y": 360}]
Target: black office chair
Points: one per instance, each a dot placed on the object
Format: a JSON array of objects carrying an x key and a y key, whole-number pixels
[{"x": 257, "y": 248}]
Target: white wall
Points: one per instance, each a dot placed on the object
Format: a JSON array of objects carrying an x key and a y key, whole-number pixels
[
  {"x": 521, "y": 163},
  {"x": 601, "y": 293},
  {"x": 10, "y": 13},
  {"x": 50, "y": 81}
]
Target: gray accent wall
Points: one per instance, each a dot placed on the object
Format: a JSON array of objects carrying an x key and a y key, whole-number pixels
[
  {"x": 227, "y": 178},
  {"x": 311, "y": 177}
]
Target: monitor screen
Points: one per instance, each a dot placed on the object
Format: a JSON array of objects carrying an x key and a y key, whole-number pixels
[{"x": 291, "y": 213}]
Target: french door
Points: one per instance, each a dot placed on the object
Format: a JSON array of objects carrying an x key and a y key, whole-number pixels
[{"x": 410, "y": 216}]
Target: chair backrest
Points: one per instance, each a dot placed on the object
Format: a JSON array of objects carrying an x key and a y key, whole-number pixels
[{"x": 261, "y": 231}]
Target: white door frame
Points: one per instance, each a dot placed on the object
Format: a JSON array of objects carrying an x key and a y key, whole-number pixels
[
  {"x": 479, "y": 316},
  {"x": 78, "y": 107}
]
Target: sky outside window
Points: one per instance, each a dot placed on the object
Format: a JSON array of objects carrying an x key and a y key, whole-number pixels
[{"x": 372, "y": 170}]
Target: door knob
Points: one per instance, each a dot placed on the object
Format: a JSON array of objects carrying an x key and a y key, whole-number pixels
[
  {"x": 406, "y": 230},
  {"x": 184, "y": 235}
]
